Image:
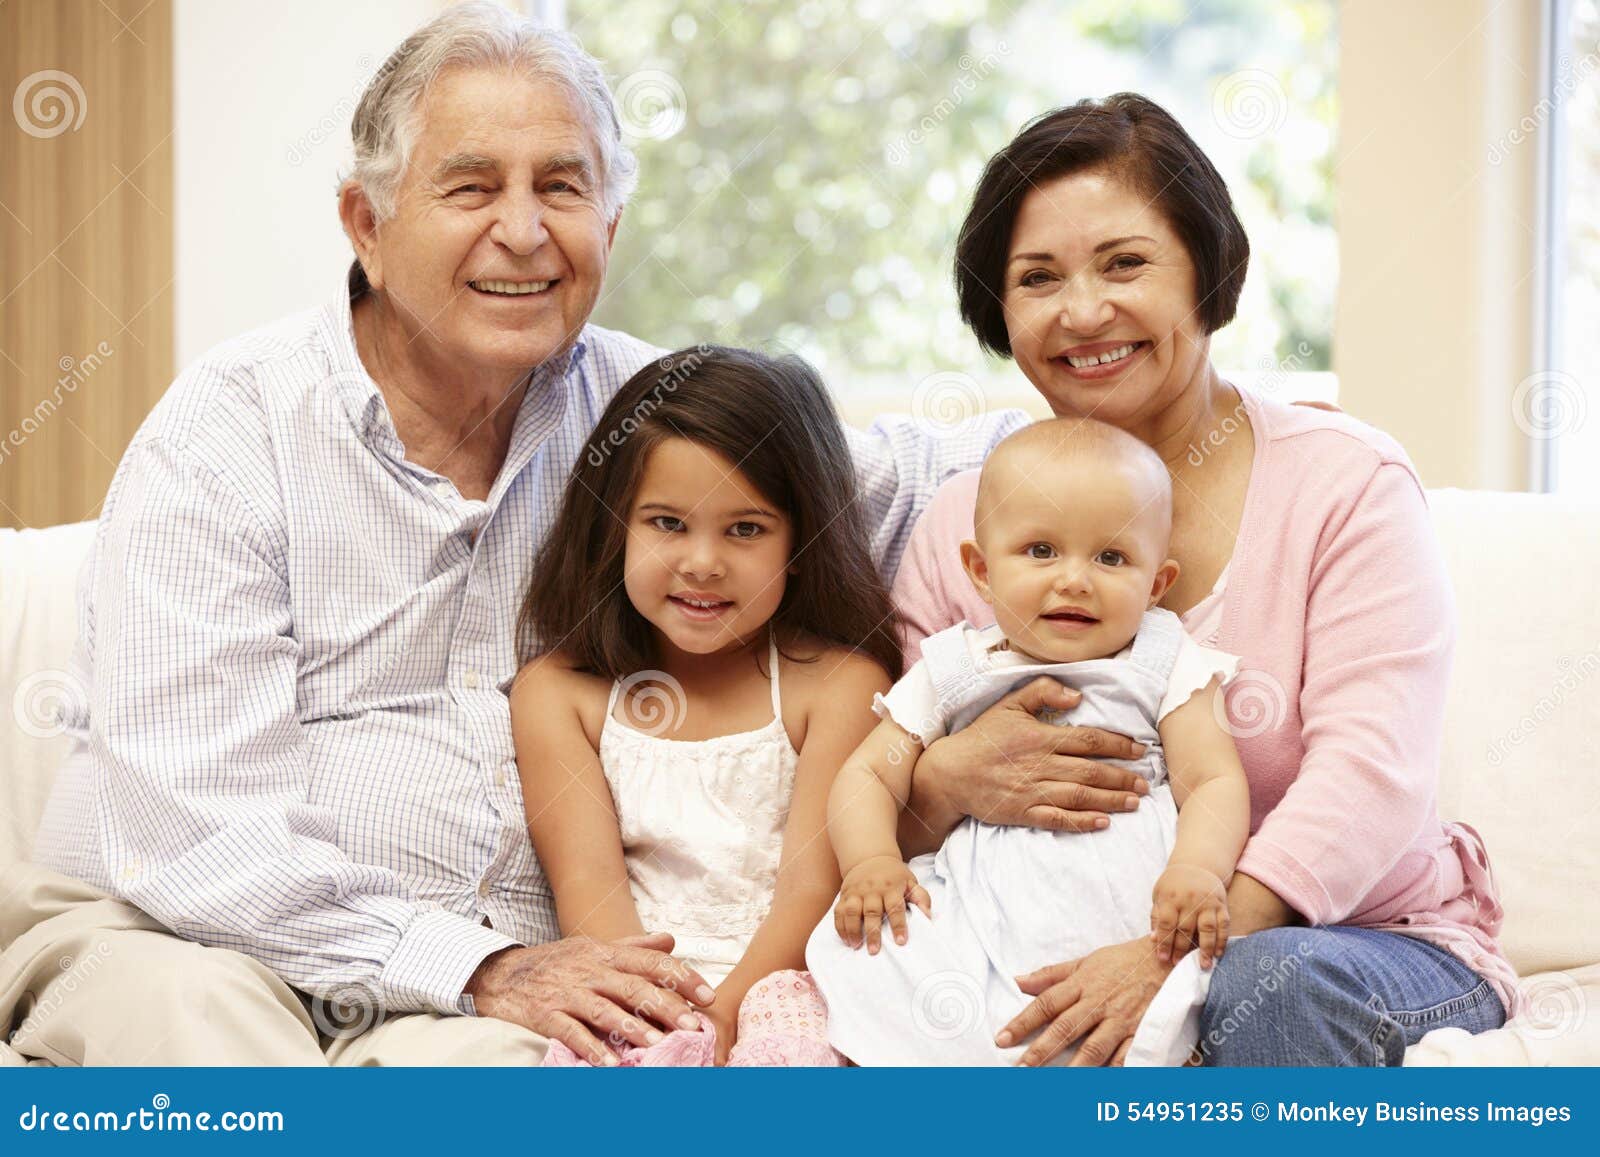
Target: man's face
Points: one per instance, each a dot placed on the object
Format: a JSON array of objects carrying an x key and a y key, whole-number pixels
[{"x": 499, "y": 243}]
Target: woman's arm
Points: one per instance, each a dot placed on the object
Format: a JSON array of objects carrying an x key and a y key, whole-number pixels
[
  {"x": 808, "y": 875},
  {"x": 1379, "y": 634},
  {"x": 570, "y": 813}
]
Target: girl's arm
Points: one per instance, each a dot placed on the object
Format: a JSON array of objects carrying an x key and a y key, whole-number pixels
[
  {"x": 808, "y": 876},
  {"x": 1213, "y": 798},
  {"x": 570, "y": 814}
]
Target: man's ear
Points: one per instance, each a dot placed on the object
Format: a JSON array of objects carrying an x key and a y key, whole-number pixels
[
  {"x": 611, "y": 233},
  {"x": 1166, "y": 575},
  {"x": 361, "y": 226},
  {"x": 977, "y": 568}
]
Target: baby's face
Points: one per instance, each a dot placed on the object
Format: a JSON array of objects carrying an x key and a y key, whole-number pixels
[{"x": 1070, "y": 554}]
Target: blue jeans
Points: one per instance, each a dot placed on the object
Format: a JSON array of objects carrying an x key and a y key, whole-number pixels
[{"x": 1337, "y": 996}]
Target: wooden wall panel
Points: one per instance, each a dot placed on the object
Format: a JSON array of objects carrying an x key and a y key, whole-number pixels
[{"x": 86, "y": 245}]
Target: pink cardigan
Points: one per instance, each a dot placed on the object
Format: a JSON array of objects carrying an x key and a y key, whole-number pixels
[{"x": 1338, "y": 604}]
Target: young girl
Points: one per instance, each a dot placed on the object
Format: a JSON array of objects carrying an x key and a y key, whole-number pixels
[
  {"x": 710, "y": 632},
  {"x": 1073, "y": 521}
]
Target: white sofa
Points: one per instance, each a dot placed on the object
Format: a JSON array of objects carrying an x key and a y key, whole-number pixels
[{"x": 1521, "y": 763}]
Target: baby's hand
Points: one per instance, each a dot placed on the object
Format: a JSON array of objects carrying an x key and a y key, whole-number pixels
[
  {"x": 1190, "y": 910},
  {"x": 874, "y": 888}
]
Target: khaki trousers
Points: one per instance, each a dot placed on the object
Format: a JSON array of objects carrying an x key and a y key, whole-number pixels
[{"x": 88, "y": 980}]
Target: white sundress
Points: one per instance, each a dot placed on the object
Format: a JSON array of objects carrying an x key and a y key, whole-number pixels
[{"x": 702, "y": 828}]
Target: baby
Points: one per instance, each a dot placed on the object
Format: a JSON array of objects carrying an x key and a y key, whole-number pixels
[{"x": 1073, "y": 522}]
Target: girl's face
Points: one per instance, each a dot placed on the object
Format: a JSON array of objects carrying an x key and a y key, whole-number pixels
[
  {"x": 1096, "y": 270},
  {"x": 707, "y": 556}
]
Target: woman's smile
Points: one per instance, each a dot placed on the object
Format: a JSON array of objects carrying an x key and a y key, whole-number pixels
[{"x": 1100, "y": 360}]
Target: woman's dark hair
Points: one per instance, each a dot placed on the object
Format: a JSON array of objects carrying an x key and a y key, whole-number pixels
[
  {"x": 1140, "y": 141},
  {"x": 773, "y": 418}
]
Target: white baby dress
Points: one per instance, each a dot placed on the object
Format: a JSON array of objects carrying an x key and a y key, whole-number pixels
[{"x": 1008, "y": 900}]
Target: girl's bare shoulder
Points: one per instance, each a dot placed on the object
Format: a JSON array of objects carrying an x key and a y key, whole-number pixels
[
  {"x": 553, "y": 686},
  {"x": 815, "y": 671}
]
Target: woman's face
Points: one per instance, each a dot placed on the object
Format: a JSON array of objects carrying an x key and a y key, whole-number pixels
[{"x": 1095, "y": 271}]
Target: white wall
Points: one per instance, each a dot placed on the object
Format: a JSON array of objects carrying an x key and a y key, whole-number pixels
[{"x": 263, "y": 98}]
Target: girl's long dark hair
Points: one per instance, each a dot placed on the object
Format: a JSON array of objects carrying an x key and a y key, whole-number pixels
[{"x": 771, "y": 417}]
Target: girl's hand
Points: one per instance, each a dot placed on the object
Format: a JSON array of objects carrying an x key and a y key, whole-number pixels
[
  {"x": 1190, "y": 910},
  {"x": 1100, "y": 999},
  {"x": 876, "y": 887},
  {"x": 724, "y": 1017}
]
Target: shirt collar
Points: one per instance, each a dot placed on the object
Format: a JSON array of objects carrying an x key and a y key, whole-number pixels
[{"x": 363, "y": 401}]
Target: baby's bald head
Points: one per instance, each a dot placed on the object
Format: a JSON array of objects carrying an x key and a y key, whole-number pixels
[{"x": 1070, "y": 458}]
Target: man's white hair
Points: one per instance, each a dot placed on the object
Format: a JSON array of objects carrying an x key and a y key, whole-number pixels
[{"x": 481, "y": 35}]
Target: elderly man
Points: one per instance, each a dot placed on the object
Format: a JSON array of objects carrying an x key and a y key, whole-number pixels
[{"x": 291, "y": 830}]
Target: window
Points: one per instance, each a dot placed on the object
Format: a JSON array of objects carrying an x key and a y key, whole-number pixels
[
  {"x": 805, "y": 167},
  {"x": 1559, "y": 409}
]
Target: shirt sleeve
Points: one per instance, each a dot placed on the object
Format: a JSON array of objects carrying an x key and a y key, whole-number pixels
[
  {"x": 900, "y": 462},
  {"x": 200, "y": 770},
  {"x": 1379, "y": 635},
  {"x": 913, "y": 703},
  {"x": 931, "y": 590},
  {"x": 1193, "y": 671}
]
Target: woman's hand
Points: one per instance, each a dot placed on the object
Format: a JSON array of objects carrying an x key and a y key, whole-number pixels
[
  {"x": 1008, "y": 767},
  {"x": 1099, "y": 999}
]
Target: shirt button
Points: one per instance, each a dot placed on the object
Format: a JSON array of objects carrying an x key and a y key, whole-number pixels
[
  {"x": 500, "y": 779},
  {"x": 471, "y": 680},
  {"x": 483, "y": 889}
]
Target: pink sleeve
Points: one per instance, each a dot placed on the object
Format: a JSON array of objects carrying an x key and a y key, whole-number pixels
[
  {"x": 931, "y": 590},
  {"x": 1379, "y": 633}
]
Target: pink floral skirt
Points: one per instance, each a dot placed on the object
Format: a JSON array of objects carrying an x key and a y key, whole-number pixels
[{"x": 782, "y": 1022}]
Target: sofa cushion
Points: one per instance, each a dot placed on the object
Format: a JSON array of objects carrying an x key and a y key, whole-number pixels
[
  {"x": 1521, "y": 756},
  {"x": 38, "y": 625}
]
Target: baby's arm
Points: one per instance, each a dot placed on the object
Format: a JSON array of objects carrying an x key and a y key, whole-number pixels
[
  {"x": 1213, "y": 798},
  {"x": 863, "y": 814},
  {"x": 570, "y": 814}
]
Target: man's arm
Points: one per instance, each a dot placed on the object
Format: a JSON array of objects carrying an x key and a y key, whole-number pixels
[
  {"x": 201, "y": 764},
  {"x": 901, "y": 461}
]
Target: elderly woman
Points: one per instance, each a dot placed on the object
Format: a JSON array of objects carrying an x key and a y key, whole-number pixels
[{"x": 1101, "y": 252}]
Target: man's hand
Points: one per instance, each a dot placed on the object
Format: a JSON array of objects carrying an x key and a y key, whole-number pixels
[
  {"x": 874, "y": 888},
  {"x": 1189, "y": 910},
  {"x": 1008, "y": 767},
  {"x": 572, "y": 989}
]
